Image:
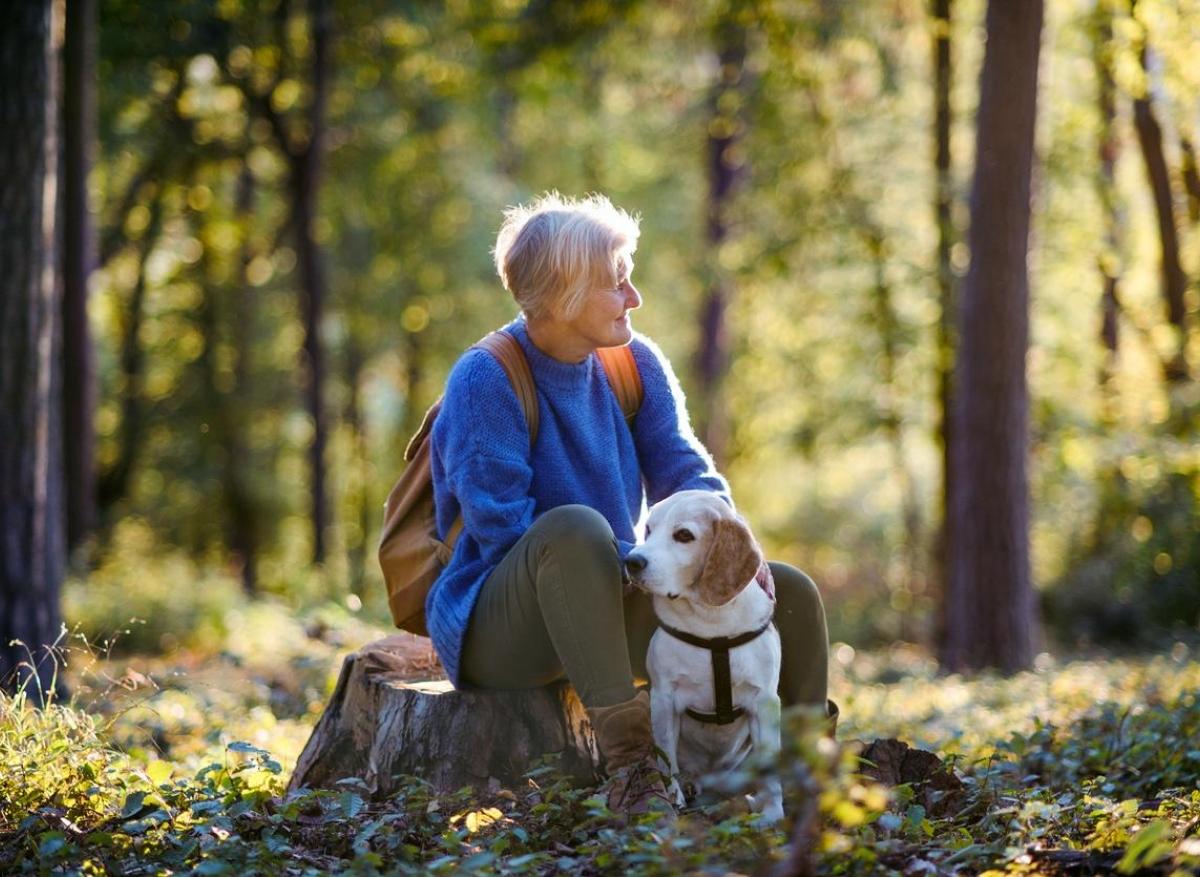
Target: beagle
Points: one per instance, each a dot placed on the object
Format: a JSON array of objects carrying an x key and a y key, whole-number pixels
[{"x": 714, "y": 660}]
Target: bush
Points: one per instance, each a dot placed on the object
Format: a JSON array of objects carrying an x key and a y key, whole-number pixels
[
  {"x": 144, "y": 599},
  {"x": 1139, "y": 580}
]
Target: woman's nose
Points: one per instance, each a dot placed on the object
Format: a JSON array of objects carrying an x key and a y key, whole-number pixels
[{"x": 633, "y": 298}]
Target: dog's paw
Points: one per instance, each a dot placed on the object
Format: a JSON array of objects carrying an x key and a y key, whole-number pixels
[
  {"x": 773, "y": 812},
  {"x": 675, "y": 792}
]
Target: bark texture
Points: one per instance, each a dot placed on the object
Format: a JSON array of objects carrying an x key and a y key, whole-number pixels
[
  {"x": 306, "y": 181},
  {"x": 32, "y": 517},
  {"x": 79, "y": 259},
  {"x": 303, "y": 145},
  {"x": 1173, "y": 278},
  {"x": 943, "y": 206},
  {"x": 1109, "y": 259},
  {"x": 990, "y": 610},
  {"x": 726, "y": 172},
  {"x": 377, "y": 727}
]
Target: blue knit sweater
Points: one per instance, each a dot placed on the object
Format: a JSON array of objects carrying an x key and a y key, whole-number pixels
[{"x": 585, "y": 453}]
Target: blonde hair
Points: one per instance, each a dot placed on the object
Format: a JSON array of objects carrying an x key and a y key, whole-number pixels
[{"x": 550, "y": 254}]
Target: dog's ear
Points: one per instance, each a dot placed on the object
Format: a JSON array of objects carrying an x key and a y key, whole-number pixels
[{"x": 733, "y": 559}]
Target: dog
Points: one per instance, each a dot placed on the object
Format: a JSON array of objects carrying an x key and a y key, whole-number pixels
[{"x": 699, "y": 562}]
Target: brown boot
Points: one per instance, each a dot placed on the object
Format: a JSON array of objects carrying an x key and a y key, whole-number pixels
[{"x": 635, "y": 784}]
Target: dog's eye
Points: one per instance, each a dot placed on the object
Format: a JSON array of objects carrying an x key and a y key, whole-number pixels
[{"x": 684, "y": 535}]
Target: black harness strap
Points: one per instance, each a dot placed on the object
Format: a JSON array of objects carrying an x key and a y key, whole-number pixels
[{"x": 719, "y": 646}]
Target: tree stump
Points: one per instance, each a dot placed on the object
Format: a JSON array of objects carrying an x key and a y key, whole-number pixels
[
  {"x": 378, "y": 727},
  {"x": 893, "y": 762}
]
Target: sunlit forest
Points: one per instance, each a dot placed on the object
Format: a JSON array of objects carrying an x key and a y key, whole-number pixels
[{"x": 274, "y": 224}]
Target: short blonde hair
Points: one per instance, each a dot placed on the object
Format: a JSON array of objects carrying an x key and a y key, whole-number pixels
[{"x": 550, "y": 254}]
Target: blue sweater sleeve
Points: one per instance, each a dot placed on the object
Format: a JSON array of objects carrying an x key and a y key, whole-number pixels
[
  {"x": 670, "y": 455},
  {"x": 482, "y": 442}
]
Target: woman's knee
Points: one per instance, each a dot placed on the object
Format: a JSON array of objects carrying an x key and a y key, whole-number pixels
[
  {"x": 796, "y": 592},
  {"x": 579, "y": 540},
  {"x": 573, "y": 524}
]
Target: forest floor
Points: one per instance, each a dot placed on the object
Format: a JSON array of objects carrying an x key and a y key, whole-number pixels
[{"x": 176, "y": 763}]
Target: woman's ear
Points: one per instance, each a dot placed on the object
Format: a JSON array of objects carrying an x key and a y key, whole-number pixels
[{"x": 733, "y": 559}]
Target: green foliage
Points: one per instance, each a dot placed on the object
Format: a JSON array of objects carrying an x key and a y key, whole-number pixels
[
  {"x": 1094, "y": 763},
  {"x": 143, "y": 598},
  {"x": 1138, "y": 581}
]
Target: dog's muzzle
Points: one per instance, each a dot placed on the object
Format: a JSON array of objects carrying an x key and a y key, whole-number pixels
[{"x": 632, "y": 568}]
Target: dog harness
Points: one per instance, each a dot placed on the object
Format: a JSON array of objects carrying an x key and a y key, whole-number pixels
[{"x": 719, "y": 647}]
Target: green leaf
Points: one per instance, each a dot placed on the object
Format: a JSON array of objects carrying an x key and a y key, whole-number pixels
[
  {"x": 242, "y": 746},
  {"x": 211, "y": 867},
  {"x": 159, "y": 771},
  {"x": 351, "y": 804},
  {"x": 53, "y": 842},
  {"x": 1146, "y": 848},
  {"x": 133, "y": 804}
]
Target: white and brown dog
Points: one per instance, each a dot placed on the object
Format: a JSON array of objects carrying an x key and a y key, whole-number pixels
[{"x": 714, "y": 660}]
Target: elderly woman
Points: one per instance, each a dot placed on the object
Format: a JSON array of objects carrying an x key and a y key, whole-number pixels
[{"x": 533, "y": 592}]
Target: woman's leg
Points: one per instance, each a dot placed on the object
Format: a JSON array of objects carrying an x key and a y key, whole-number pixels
[
  {"x": 640, "y": 624},
  {"x": 800, "y": 617},
  {"x": 553, "y": 607}
]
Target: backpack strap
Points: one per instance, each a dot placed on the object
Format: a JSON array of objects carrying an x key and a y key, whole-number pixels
[
  {"x": 508, "y": 352},
  {"x": 624, "y": 378}
]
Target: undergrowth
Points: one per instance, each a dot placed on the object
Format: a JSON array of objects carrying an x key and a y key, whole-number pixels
[{"x": 1087, "y": 767}]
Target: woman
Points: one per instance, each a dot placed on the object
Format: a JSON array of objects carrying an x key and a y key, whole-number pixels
[{"x": 533, "y": 592}]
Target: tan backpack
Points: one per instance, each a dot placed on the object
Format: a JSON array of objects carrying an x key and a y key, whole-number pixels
[{"x": 410, "y": 553}]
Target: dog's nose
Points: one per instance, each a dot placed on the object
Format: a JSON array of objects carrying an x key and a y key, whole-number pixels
[{"x": 634, "y": 564}]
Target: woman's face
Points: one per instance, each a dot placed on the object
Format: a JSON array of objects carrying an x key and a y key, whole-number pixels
[{"x": 604, "y": 319}]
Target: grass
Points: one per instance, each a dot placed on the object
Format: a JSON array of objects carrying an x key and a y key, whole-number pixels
[{"x": 177, "y": 763}]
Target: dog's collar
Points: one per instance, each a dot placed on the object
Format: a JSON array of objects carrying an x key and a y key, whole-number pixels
[{"x": 719, "y": 647}]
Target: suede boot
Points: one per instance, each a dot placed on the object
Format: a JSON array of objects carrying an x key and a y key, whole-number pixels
[{"x": 635, "y": 783}]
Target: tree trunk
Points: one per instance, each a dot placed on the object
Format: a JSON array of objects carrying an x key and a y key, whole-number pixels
[
  {"x": 79, "y": 259},
  {"x": 1111, "y": 507},
  {"x": 943, "y": 203},
  {"x": 32, "y": 517},
  {"x": 306, "y": 180},
  {"x": 243, "y": 521},
  {"x": 365, "y": 508},
  {"x": 378, "y": 727},
  {"x": 990, "y": 609},
  {"x": 414, "y": 381},
  {"x": 1174, "y": 281},
  {"x": 113, "y": 483},
  {"x": 726, "y": 170},
  {"x": 909, "y": 580},
  {"x": 1109, "y": 260},
  {"x": 1191, "y": 178},
  {"x": 304, "y": 152},
  {"x": 224, "y": 308},
  {"x": 504, "y": 104}
]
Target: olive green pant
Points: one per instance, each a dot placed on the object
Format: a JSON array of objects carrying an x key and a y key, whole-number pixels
[{"x": 555, "y": 607}]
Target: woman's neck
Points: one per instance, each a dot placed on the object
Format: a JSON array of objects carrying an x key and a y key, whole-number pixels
[{"x": 557, "y": 340}]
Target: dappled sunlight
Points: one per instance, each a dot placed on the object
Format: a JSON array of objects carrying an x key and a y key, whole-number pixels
[
  {"x": 956, "y": 716},
  {"x": 198, "y": 749},
  {"x": 274, "y": 236}
]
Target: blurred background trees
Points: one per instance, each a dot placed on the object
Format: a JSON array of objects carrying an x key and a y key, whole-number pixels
[{"x": 293, "y": 205}]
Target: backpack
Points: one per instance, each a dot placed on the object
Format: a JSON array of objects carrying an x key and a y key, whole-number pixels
[{"x": 410, "y": 553}]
